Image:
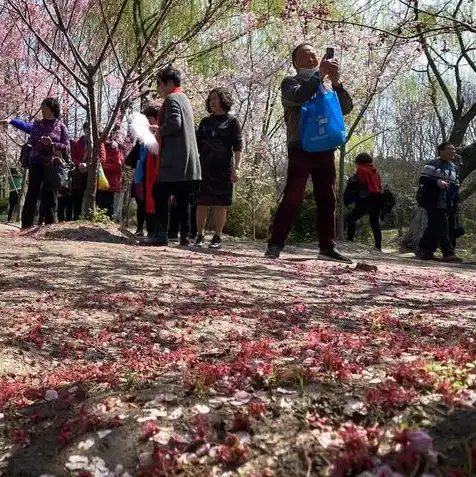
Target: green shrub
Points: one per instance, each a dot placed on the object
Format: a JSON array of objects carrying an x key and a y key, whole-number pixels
[
  {"x": 240, "y": 220},
  {"x": 99, "y": 216}
]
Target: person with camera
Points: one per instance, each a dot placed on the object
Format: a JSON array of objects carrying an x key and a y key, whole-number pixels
[
  {"x": 313, "y": 74},
  {"x": 49, "y": 140}
]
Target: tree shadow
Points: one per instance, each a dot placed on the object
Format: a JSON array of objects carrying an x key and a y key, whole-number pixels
[
  {"x": 453, "y": 434},
  {"x": 143, "y": 296}
]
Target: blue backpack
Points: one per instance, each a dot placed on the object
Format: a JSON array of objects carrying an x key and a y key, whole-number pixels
[{"x": 322, "y": 122}]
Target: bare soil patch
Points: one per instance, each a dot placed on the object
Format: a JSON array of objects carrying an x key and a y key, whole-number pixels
[{"x": 119, "y": 359}]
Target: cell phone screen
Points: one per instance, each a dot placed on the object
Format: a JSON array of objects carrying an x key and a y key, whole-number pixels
[{"x": 329, "y": 53}]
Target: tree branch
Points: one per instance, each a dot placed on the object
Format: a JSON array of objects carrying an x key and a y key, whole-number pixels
[
  {"x": 464, "y": 51},
  {"x": 44, "y": 44},
  {"x": 110, "y": 34},
  {"x": 439, "y": 78},
  {"x": 434, "y": 102},
  {"x": 62, "y": 28}
]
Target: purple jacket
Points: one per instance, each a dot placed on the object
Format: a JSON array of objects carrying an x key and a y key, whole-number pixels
[{"x": 53, "y": 128}]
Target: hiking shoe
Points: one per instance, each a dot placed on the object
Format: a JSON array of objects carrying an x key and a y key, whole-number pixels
[
  {"x": 139, "y": 233},
  {"x": 199, "y": 241},
  {"x": 333, "y": 254},
  {"x": 422, "y": 254},
  {"x": 155, "y": 241},
  {"x": 184, "y": 241},
  {"x": 451, "y": 259},
  {"x": 216, "y": 242},
  {"x": 273, "y": 251}
]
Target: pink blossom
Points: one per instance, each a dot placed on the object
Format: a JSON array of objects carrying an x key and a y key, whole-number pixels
[
  {"x": 420, "y": 441},
  {"x": 51, "y": 395}
]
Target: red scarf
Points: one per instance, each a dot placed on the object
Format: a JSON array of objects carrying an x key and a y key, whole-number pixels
[{"x": 153, "y": 165}]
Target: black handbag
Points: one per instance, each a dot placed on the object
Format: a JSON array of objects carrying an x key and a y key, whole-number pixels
[
  {"x": 25, "y": 155},
  {"x": 58, "y": 176}
]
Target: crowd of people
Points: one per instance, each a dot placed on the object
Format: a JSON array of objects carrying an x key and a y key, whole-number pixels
[
  {"x": 49, "y": 145},
  {"x": 195, "y": 169}
]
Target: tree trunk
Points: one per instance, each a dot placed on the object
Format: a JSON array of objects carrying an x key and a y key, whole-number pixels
[
  {"x": 118, "y": 206},
  {"x": 21, "y": 195},
  {"x": 469, "y": 186},
  {"x": 398, "y": 215},
  {"x": 125, "y": 206},
  {"x": 90, "y": 194},
  {"x": 459, "y": 129},
  {"x": 340, "y": 198},
  {"x": 253, "y": 213},
  {"x": 468, "y": 160},
  {"x": 416, "y": 230},
  {"x": 126, "y": 218}
]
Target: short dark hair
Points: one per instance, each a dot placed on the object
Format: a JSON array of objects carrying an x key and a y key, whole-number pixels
[
  {"x": 444, "y": 145},
  {"x": 151, "y": 111},
  {"x": 296, "y": 50},
  {"x": 85, "y": 125},
  {"x": 364, "y": 158},
  {"x": 224, "y": 96},
  {"x": 13, "y": 170},
  {"x": 53, "y": 105},
  {"x": 169, "y": 73}
]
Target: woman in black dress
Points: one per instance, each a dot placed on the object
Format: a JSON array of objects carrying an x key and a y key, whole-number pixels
[{"x": 219, "y": 143}]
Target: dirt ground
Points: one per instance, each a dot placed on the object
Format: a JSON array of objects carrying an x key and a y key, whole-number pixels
[{"x": 119, "y": 360}]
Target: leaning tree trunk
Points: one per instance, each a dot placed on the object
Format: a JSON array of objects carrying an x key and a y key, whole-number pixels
[
  {"x": 467, "y": 171},
  {"x": 468, "y": 187},
  {"x": 416, "y": 230},
  {"x": 340, "y": 198}
]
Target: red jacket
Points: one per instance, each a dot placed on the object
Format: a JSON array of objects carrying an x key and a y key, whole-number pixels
[
  {"x": 369, "y": 177},
  {"x": 112, "y": 166},
  {"x": 79, "y": 153}
]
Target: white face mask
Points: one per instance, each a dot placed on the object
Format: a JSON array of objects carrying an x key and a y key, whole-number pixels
[{"x": 307, "y": 72}]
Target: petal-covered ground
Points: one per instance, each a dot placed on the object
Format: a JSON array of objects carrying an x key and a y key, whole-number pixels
[{"x": 120, "y": 360}]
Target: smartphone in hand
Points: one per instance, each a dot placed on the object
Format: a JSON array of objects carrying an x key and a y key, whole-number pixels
[{"x": 330, "y": 53}]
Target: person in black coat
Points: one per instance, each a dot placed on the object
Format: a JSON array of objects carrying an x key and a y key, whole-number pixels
[{"x": 219, "y": 144}]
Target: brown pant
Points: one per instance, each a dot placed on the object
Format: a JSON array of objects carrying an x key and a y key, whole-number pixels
[{"x": 321, "y": 167}]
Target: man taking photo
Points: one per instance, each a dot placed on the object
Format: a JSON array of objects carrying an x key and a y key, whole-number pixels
[{"x": 295, "y": 91}]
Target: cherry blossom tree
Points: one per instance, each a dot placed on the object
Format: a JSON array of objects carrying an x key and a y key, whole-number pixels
[{"x": 86, "y": 44}]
